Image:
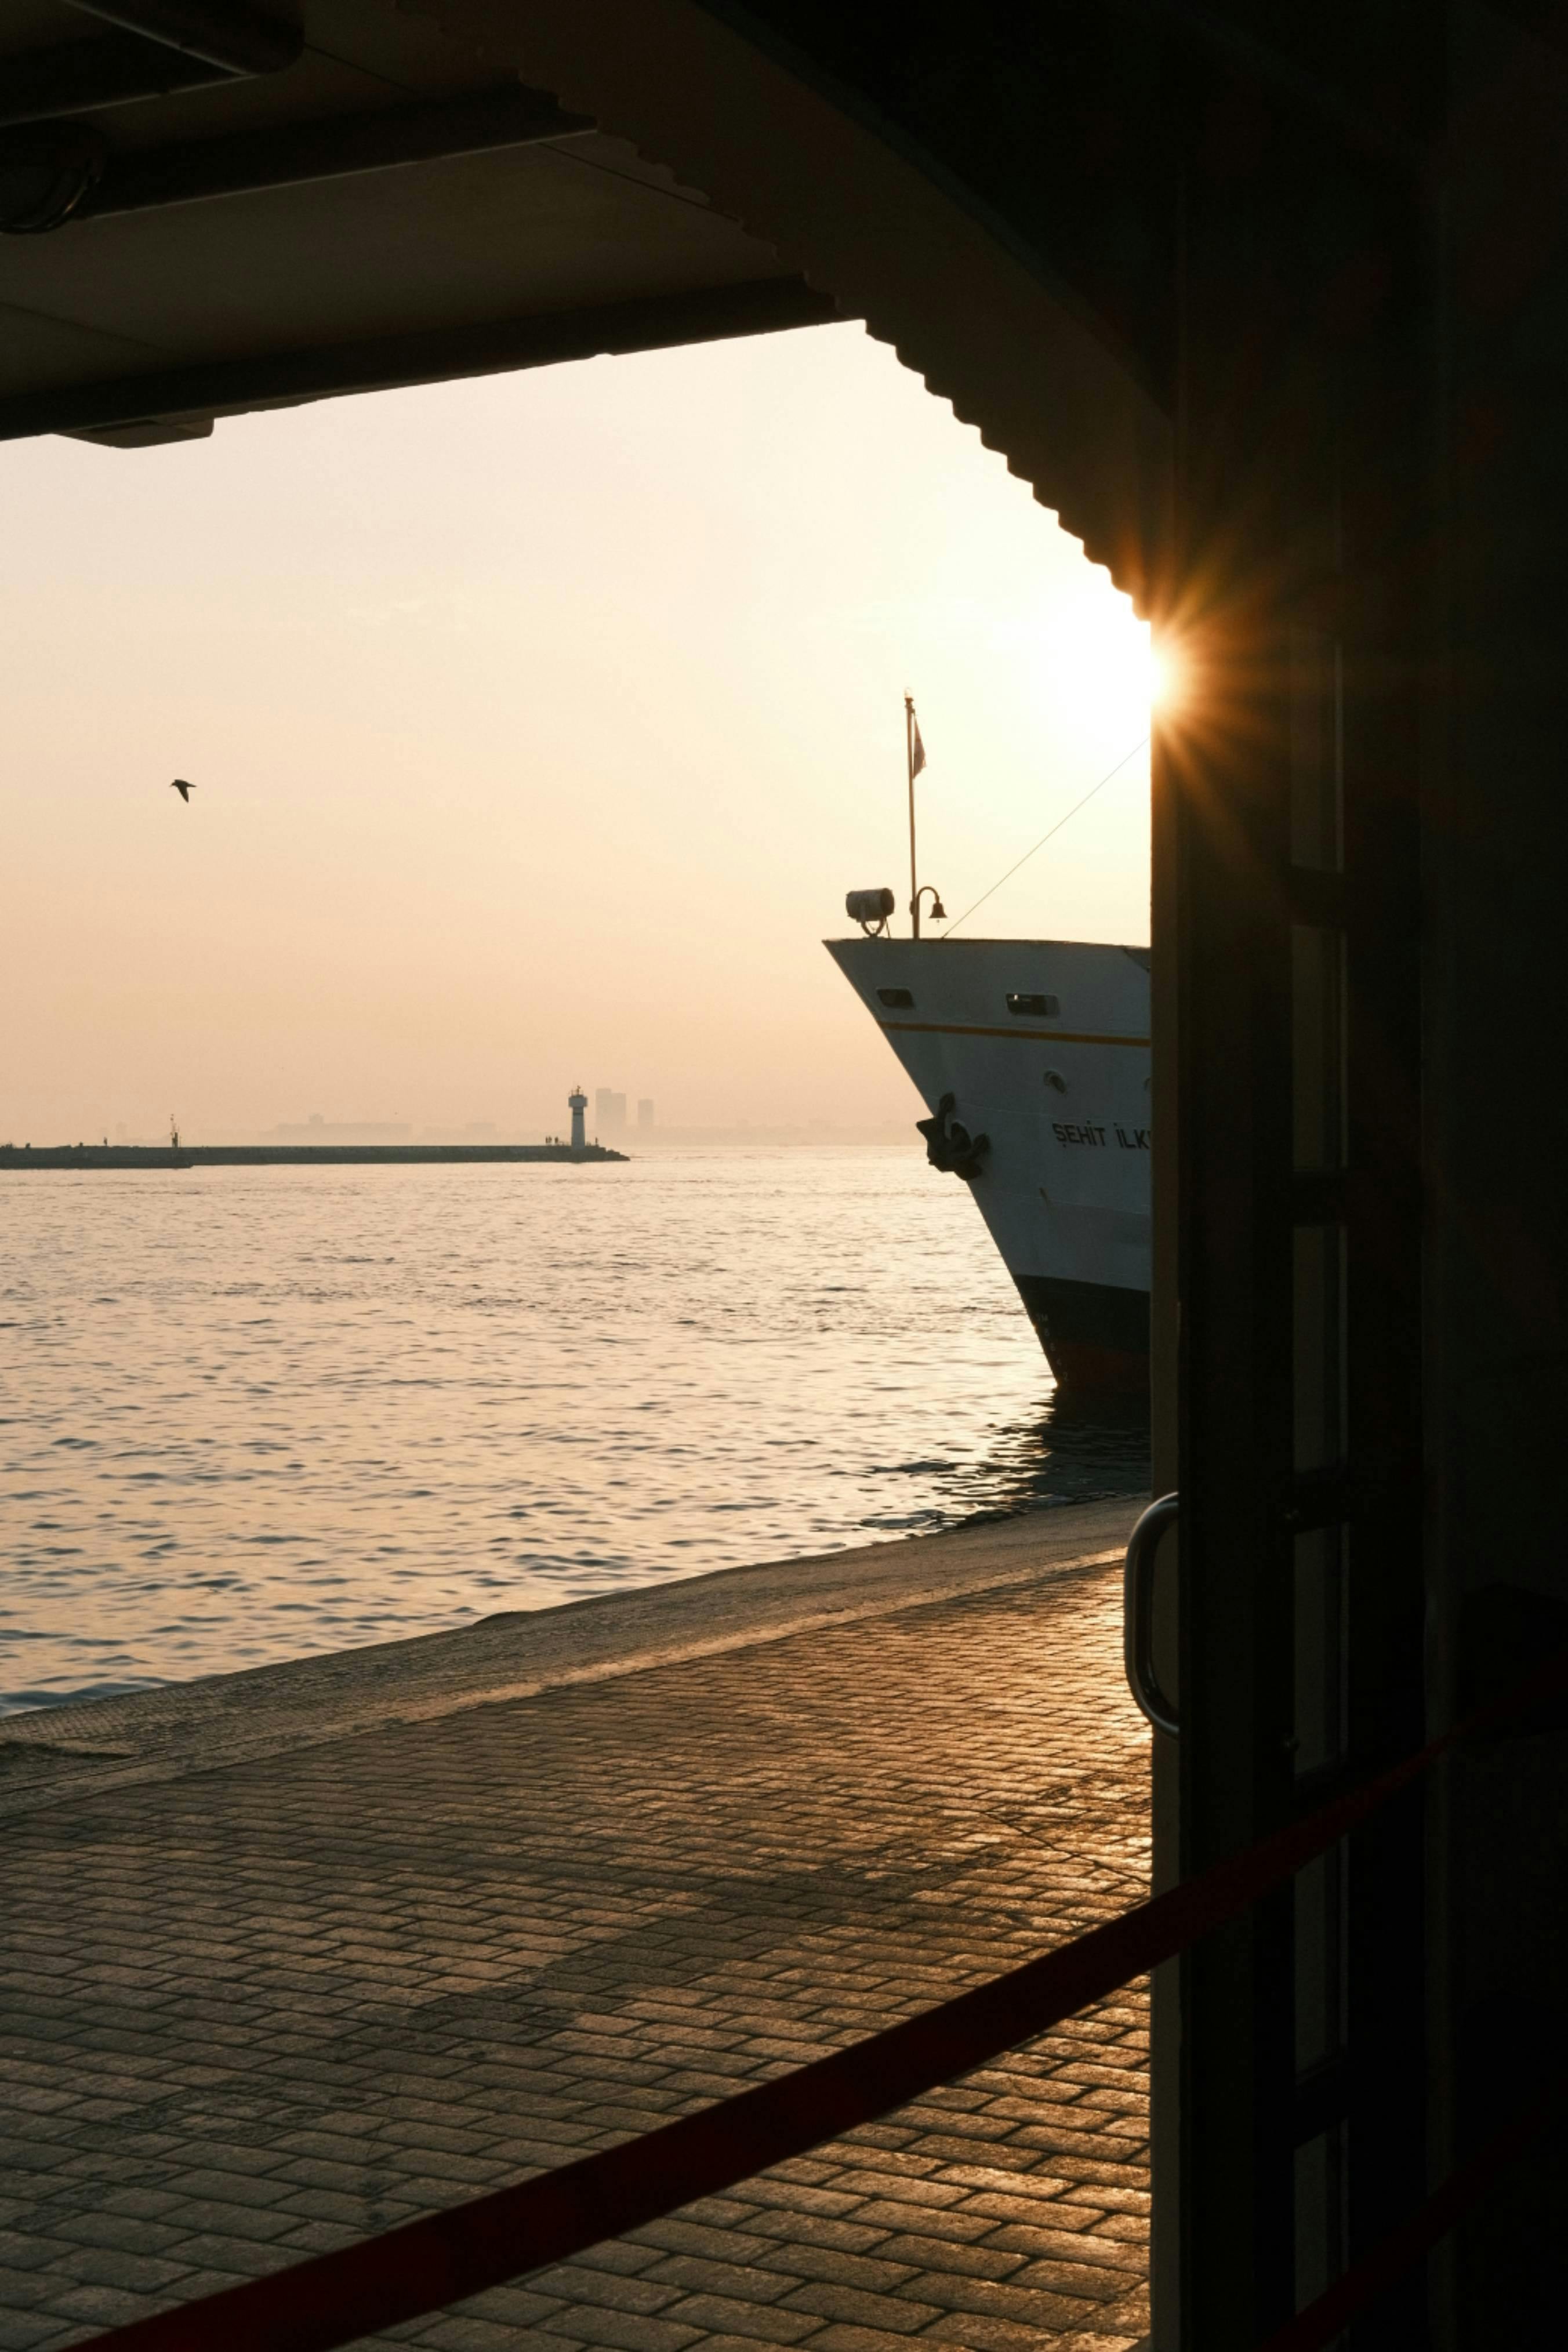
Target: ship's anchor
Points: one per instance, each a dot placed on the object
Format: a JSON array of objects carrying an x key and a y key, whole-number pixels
[{"x": 949, "y": 1144}]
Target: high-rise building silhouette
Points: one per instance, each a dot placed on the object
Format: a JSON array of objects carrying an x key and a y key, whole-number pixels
[{"x": 644, "y": 1110}]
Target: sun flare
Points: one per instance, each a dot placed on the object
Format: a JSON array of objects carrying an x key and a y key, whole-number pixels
[
  {"x": 1163, "y": 668},
  {"x": 1099, "y": 664}
]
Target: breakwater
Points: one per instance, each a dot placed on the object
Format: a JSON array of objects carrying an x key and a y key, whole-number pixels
[{"x": 289, "y": 1155}]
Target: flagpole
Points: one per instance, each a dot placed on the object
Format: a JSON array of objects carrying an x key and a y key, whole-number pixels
[{"x": 910, "y": 761}]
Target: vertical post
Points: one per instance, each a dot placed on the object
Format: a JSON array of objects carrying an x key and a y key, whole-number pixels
[
  {"x": 909, "y": 763},
  {"x": 1287, "y": 793}
]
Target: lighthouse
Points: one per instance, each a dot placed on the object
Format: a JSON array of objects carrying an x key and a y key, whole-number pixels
[{"x": 577, "y": 1103}]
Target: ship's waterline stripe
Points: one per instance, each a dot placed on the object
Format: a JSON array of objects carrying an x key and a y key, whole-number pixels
[{"x": 1022, "y": 1036}]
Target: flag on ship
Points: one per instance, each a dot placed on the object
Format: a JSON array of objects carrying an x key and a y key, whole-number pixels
[{"x": 917, "y": 749}]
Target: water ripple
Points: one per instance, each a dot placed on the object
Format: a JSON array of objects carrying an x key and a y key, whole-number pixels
[{"x": 254, "y": 1413}]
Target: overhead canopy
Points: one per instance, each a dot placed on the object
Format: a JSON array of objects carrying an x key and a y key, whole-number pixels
[
  {"x": 213, "y": 206},
  {"x": 208, "y": 206},
  {"x": 213, "y": 209}
]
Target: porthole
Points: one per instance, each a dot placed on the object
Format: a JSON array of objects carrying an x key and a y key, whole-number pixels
[
  {"x": 1034, "y": 1008},
  {"x": 897, "y": 1000}
]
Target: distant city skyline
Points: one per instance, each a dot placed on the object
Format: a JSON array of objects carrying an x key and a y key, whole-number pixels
[
  {"x": 539, "y": 724},
  {"x": 318, "y": 1126},
  {"x": 321, "y": 1128}
]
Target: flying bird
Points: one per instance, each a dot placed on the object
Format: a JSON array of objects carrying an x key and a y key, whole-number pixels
[{"x": 185, "y": 789}]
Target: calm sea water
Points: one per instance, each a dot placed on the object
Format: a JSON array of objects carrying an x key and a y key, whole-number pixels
[{"x": 249, "y": 1413}]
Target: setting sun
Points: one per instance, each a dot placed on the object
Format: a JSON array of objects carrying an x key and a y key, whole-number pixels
[{"x": 1165, "y": 675}]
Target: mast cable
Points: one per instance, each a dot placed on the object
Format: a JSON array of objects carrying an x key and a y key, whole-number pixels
[{"x": 1056, "y": 828}]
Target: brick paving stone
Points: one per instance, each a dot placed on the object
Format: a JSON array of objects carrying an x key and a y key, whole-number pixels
[
  {"x": 23, "y": 2250},
  {"x": 852, "y": 2304},
  {"x": 93, "y": 2307},
  {"x": 679, "y": 2234},
  {"x": 1115, "y": 2338},
  {"x": 1132, "y": 2227},
  {"x": 1086, "y": 2246},
  {"x": 912, "y": 2186},
  {"x": 624, "y": 2254},
  {"x": 1101, "y": 2267},
  {"x": 24, "y": 2290},
  {"x": 767, "y": 2323},
  {"x": 22, "y": 2332},
  {"x": 260, "y": 2000},
  {"x": 928, "y": 2220},
  {"x": 843, "y": 2337},
  {"x": 963, "y": 2331},
  {"x": 1039, "y": 2306},
  {"x": 625, "y": 2331},
  {"x": 693, "y": 2274},
  {"x": 950, "y": 2254},
  {"x": 812, "y": 2230},
  {"x": 606, "y": 2290},
  {"x": 468, "y": 2333},
  {"x": 723, "y": 2343},
  {"x": 1112, "y": 2200}
]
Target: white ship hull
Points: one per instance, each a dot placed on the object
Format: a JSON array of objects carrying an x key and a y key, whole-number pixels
[{"x": 1043, "y": 1046}]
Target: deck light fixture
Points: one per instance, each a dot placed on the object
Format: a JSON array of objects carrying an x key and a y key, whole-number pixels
[{"x": 871, "y": 909}]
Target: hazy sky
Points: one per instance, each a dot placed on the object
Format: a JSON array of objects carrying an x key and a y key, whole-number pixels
[{"x": 539, "y": 725}]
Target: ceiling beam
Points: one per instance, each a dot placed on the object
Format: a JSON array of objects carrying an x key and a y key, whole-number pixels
[
  {"x": 78, "y": 77},
  {"x": 158, "y": 46},
  {"x": 473, "y": 124},
  {"x": 225, "y": 32},
  {"x": 279, "y": 379}
]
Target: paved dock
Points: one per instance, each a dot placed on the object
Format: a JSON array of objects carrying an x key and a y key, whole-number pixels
[{"x": 291, "y": 1956}]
